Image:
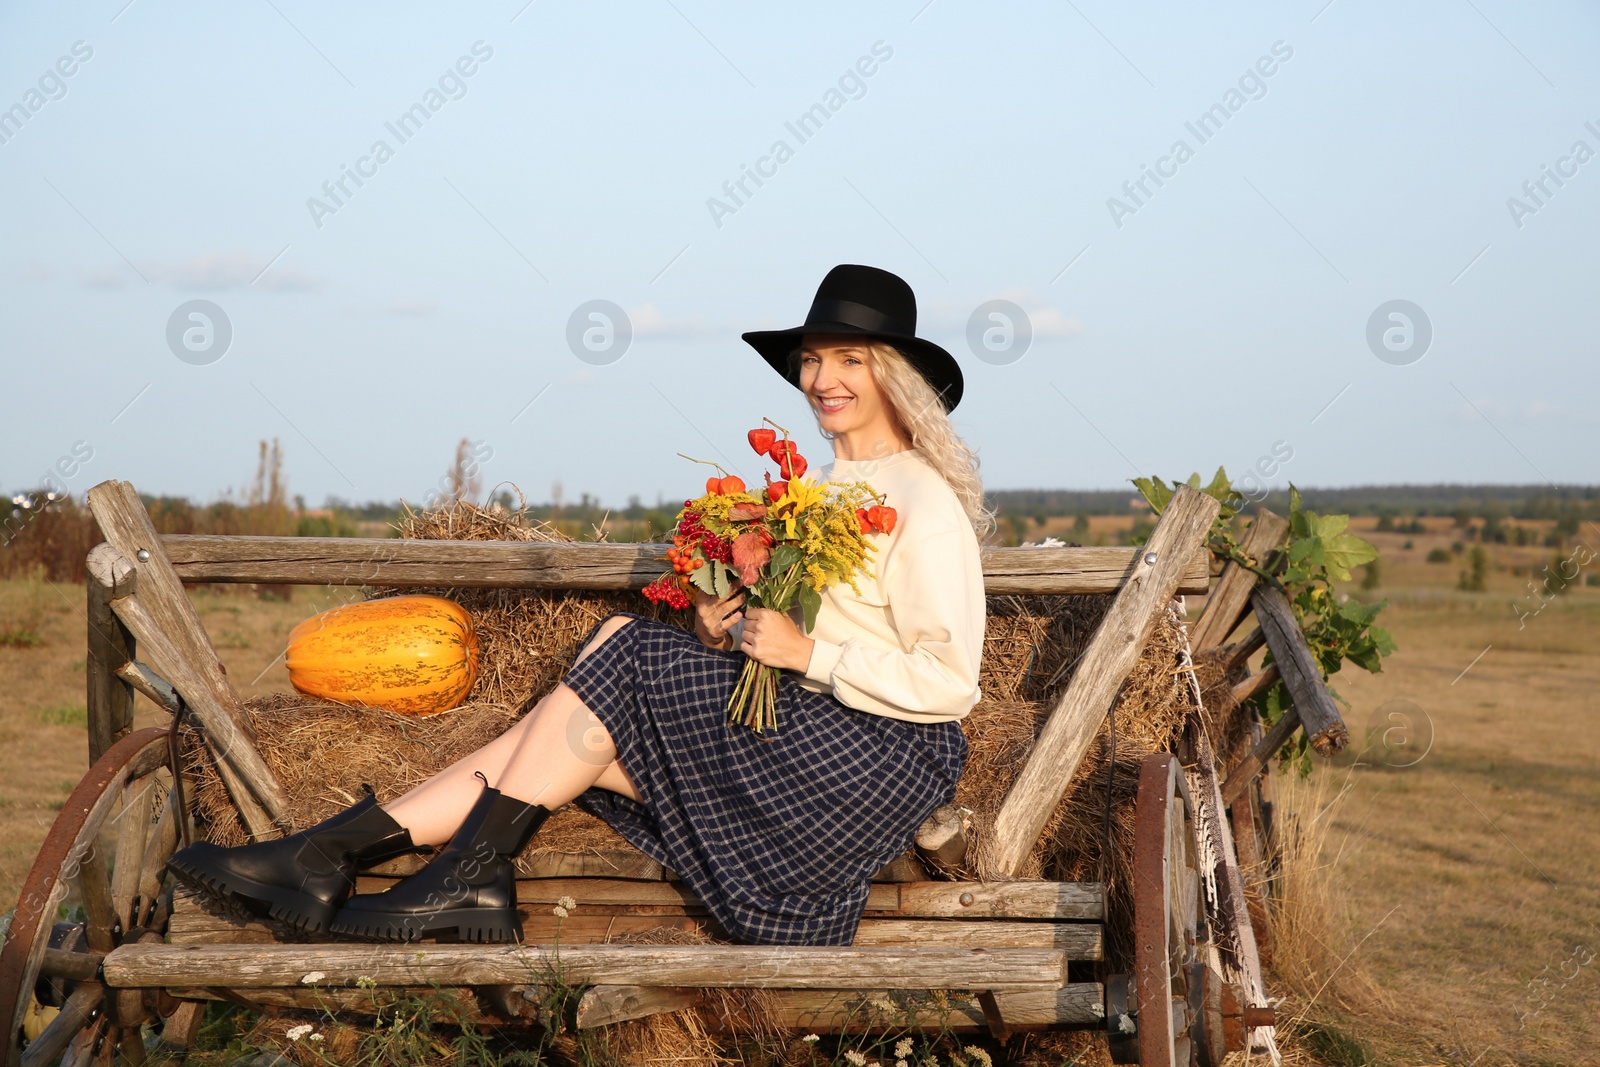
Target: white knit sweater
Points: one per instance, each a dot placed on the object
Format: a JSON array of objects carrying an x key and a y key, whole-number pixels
[{"x": 909, "y": 645}]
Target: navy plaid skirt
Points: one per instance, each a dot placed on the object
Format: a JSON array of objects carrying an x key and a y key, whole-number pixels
[{"x": 779, "y": 838}]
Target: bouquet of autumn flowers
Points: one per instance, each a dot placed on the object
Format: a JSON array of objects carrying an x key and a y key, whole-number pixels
[{"x": 786, "y": 543}]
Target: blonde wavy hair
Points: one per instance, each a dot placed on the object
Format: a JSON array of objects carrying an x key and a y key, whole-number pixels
[{"x": 920, "y": 415}]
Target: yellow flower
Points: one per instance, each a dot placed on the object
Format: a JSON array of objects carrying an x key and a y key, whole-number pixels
[{"x": 799, "y": 496}]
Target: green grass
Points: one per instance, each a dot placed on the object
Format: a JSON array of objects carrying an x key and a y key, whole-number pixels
[
  {"x": 63, "y": 715},
  {"x": 19, "y": 637}
]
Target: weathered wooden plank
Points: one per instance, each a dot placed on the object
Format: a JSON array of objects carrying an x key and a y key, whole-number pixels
[
  {"x": 942, "y": 839},
  {"x": 250, "y": 782},
  {"x": 109, "y": 698},
  {"x": 818, "y": 1011},
  {"x": 192, "y": 924},
  {"x": 908, "y": 900},
  {"x": 1111, "y": 654},
  {"x": 186, "y": 656},
  {"x": 1255, "y": 685},
  {"x": 727, "y": 966},
  {"x": 1080, "y": 1004},
  {"x": 582, "y": 565},
  {"x": 1261, "y": 754},
  {"x": 603, "y": 1005},
  {"x": 1234, "y": 655},
  {"x": 1292, "y": 656},
  {"x": 1227, "y": 603}
]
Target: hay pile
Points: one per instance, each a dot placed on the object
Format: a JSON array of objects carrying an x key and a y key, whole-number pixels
[{"x": 323, "y": 751}]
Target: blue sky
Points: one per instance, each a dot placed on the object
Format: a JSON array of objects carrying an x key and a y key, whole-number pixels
[{"x": 1224, "y": 316}]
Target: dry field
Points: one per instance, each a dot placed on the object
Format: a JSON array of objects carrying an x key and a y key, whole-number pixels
[{"x": 1461, "y": 869}]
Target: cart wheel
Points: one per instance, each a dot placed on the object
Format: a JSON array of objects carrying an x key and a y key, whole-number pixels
[
  {"x": 1189, "y": 1014},
  {"x": 110, "y": 843}
]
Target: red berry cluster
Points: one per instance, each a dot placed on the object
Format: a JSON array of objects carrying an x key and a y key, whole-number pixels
[{"x": 666, "y": 588}]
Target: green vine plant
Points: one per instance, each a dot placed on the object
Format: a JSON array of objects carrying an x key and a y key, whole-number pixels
[{"x": 1319, "y": 553}]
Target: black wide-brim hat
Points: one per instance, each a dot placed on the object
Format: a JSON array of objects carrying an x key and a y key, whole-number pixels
[{"x": 869, "y": 303}]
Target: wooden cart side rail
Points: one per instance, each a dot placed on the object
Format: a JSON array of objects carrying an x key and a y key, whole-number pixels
[
  {"x": 909, "y": 900},
  {"x": 584, "y": 565},
  {"x": 145, "y": 966}
]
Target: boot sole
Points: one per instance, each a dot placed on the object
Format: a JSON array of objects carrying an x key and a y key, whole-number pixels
[
  {"x": 303, "y": 913},
  {"x": 481, "y": 925}
]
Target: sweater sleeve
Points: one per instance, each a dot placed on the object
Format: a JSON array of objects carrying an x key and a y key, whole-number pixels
[{"x": 935, "y": 595}]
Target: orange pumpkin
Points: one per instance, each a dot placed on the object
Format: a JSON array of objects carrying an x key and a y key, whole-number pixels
[{"x": 412, "y": 654}]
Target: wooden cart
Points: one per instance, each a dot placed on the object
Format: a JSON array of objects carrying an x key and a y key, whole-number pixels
[{"x": 146, "y": 958}]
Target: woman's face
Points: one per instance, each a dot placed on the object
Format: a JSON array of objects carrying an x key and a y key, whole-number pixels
[{"x": 837, "y": 381}]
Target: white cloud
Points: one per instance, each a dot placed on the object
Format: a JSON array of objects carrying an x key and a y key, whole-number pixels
[{"x": 213, "y": 272}]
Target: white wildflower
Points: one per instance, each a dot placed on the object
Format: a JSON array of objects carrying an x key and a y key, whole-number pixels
[
  {"x": 315, "y": 1038},
  {"x": 559, "y": 912},
  {"x": 366, "y": 982},
  {"x": 901, "y": 1063},
  {"x": 979, "y": 1057},
  {"x": 313, "y": 978},
  {"x": 568, "y": 903},
  {"x": 856, "y": 1058},
  {"x": 295, "y": 1033},
  {"x": 810, "y": 1039},
  {"x": 902, "y": 1048}
]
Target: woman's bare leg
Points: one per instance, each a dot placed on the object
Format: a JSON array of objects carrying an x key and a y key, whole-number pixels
[{"x": 556, "y": 751}]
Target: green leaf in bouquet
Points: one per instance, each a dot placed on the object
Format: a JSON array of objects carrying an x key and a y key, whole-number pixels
[
  {"x": 784, "y": 557},
  {"x": 721, "y": 579},
  {"x": 810, "y": 601},
  {"x": 703, "y": 581}
]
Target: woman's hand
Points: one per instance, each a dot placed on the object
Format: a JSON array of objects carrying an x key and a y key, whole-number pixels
[
  {"x": 715, "y": 616},
  {"x": 772, "y": 638}
]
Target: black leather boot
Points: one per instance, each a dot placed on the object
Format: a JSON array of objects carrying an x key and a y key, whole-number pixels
[
  {"x": 470, "y": 886},
  {"x": 301, "y": 879}
]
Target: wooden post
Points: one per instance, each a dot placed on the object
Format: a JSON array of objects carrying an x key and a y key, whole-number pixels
[
  {"x": 109, "y": 698},
  {"x": 1293, "y": 658},
  {"x": 1111, "y": 654},
  {"x": 172, "y": 637},
  {"x": 1227, "y": 603}
]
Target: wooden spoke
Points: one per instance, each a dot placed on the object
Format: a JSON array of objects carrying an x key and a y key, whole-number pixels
[
  {"x": 74, "y": 1021},
  {"x": 153, "y": 864},
  {"x": 132, "y": 826}
]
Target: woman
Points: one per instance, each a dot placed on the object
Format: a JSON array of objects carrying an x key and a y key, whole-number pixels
[{"x": 779, "y": 837}]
